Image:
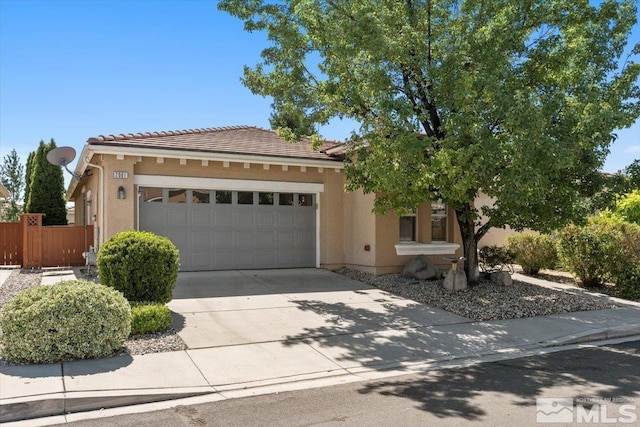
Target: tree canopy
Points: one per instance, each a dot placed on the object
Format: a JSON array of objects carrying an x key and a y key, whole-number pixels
[
  {"x": 46, "y": 187},
  {"x": 515, "y": 99},
  {"x": 12, "y": 178}
]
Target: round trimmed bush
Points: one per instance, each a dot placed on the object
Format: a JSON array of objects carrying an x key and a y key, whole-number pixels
[
  {"x": 73, "y": 319},
  {"x": 533, "y": 251},
  {"x": 141, "y": 265},
  {"x": 149, "y": 317}
]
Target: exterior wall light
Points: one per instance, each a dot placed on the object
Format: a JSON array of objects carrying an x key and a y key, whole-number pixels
[{"x": 121, "y": 193}]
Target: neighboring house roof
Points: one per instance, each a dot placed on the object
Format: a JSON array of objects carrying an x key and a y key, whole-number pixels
[
  {"x": 4, "y": 193},
  {"x": 249, "y": 140}
]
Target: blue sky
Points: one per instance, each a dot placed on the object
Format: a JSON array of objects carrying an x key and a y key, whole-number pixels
[{"x": 75, "y": 69}]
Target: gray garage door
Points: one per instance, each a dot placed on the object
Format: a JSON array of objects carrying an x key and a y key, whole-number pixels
[{"x": 224, "y": 230}]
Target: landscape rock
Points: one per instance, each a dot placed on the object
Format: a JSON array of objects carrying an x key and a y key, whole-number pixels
[
  {"x": 420, "y": 268},
  {"x": 455, "y": 280},
  {"x": 502, "y": 278}
]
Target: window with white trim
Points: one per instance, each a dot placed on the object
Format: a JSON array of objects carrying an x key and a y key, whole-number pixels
[
  {"x": 438, "y": 221},
  {"x": 408, "y": 227}
]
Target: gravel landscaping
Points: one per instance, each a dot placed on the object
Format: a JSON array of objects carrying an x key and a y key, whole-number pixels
[{"x": 485, "y": 301}]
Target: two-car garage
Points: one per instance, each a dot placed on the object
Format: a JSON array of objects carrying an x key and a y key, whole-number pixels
[{"x": 222, "y": 229}]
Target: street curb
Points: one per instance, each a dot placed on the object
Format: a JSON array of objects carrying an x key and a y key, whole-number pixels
[
  {"x": 32, "y": 407},
  {"x": 594, "y": 335}
]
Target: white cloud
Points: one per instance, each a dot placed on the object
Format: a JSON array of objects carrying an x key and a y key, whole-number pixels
[{"x": 633, "y": 149}]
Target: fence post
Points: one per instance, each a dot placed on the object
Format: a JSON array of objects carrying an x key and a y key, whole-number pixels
[{"x": 31, "y": 240}]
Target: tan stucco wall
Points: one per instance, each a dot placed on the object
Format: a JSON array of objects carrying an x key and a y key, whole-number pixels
[
  {"x": 346, "y": 222},
  {"x": 495, "y": 236},
  {"x": 359, "y": 230}
]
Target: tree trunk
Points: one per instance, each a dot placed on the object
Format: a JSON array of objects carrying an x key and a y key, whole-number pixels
[{"x": 469, "y": 243}]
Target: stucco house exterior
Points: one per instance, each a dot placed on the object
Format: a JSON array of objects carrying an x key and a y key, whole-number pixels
[
  {"x": 4, "y": 196},
  {"x": 243, "y": 198}
]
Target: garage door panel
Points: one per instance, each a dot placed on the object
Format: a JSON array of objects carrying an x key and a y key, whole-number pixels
[
  {"x": 286, "y": 239},
  {"x": 200, "y": 218},
  {"x": 266, "y": 240},
  {"x": 223, "y": 239},
  {"x": 245, "y": 239},
  {"x": 176, "y": 217},
  {"x": 304, "y": 220},
  {"x": 200, "y": 239},
  {"x": 223, "y": 216},
  {"x": 266, "y": 219},
  {"x": 285, "y": 218},
  {"x": 212, "y": 236}
]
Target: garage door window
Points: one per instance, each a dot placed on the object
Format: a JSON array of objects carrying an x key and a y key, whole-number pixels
[
  {"x": 245, "y": 198},
  {"x": 151, "y": 194},
  {"x": 285, "y": 199},
  {"x": 305, "y": 200},
  {"x": 223, "y": 197},
  {"x": 265, "y": 198},
  {"x": 177, "y": 195},
  {"x": 200, "y": 197}
]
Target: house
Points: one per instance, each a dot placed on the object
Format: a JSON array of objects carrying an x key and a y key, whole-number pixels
[
  {"x": 4, "y": 196},
  {"x": 243, "y": 198}
]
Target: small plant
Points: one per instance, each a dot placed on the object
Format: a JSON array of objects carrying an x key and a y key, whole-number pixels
[
  {"x": 140, "y": 264},
  {"x": 533, "y": 251},
  {"x": 73, "y": 319},
  {"x": 495, "y": 258},
  {"x": 149, "y": 317}
]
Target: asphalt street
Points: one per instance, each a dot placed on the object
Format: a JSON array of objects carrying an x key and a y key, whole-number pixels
[{"x": 601, "y": 383}]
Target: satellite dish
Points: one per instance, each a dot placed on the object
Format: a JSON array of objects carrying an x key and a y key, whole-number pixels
[{"x": 62, "y": 156}]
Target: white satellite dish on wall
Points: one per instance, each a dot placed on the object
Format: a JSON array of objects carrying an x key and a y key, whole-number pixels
[{"x": 62, "y": 156}]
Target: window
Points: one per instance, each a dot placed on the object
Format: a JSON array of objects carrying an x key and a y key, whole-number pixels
[
  {"x": 151, "y": 194},
  {"x": 265, "y": 198},
  {"x": 438, "y": 221},
  {"x": 200, "y": 197},
  {"x": 408, "y": 228},
  {"x": 285, "y": 199},
  {"x": 245, "y": 198},
  {"x": 223, "y": 197},
  {"x": 305, "y": 200},
  {"x": 177, "y": 195}
]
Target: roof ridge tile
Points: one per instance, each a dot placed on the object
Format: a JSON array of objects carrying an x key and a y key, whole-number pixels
[{"x": 154, "y": 134}]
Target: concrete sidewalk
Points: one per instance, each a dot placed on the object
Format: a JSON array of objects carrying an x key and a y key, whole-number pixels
[{"x": 251, "y": 332}]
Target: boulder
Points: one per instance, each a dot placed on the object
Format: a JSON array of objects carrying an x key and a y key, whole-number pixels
[
  {"x": 420, "y": 268},
  {"x": 455, "y": 280},
  {"x": 502, "y": 278}
]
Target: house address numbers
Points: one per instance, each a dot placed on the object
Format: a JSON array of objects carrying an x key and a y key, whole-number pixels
[{"x": 121, "y": 174}]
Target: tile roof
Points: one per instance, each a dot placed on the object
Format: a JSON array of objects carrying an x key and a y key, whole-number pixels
[{"x": 232, "y": 139}]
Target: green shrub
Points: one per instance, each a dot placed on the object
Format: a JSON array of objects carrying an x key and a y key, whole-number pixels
[
  {"x": 495, "y": 258},
  {"x": 628, "y": 283},
  {"x": 628, "y": 207},
  {"x": 142, "y": 265},
  {"x": 73, "y": 319},
  {"x": 149, "y": 317},
  {"x": 599, "y": 251},
  {"x": 533, "y": 251}
]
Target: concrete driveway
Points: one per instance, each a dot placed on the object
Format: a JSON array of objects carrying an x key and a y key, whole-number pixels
[
  {"x": 241, "y": 307},
  {"x": 253, "y": 325}
]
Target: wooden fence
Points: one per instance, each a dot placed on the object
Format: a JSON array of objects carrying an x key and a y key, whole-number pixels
[{"x": 32, "y": 245}]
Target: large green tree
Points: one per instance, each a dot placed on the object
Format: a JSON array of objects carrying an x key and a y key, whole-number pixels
[
  {"x": 46, "y": 192},
  {"x": 27, "y": 179},
  {"x": 12, "y": 178},
  {"x": 516, "y": 99}
]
